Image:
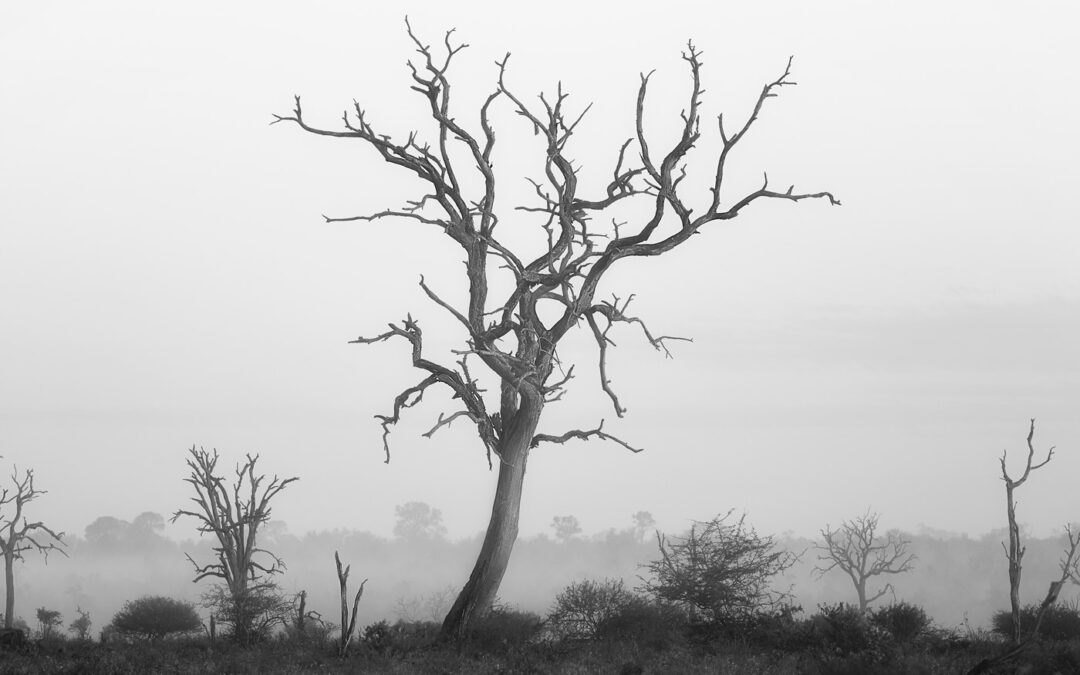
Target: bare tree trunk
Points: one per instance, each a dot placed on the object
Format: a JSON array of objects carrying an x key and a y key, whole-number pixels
[
  {"x": 1015, "y": 555},
  {"x": 9, "y": 586},
  {"x": 348, "y": 625},
  {"x": 301, "y": 612},
  {"x": 478, "y": 595}
]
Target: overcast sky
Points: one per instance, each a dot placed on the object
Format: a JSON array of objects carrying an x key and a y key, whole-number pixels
[{"x": 166, "y": 278}]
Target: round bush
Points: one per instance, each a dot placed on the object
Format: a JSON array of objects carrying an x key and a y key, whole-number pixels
[
  {"x": 842, "y": 630},
  {"x": 155, "y": 616},
  {"x": 583, "y": 606},
  {"x": 903, "y": 620},
  {"x": 503, "y": 629},
  {"x": 652, "y": 625}
]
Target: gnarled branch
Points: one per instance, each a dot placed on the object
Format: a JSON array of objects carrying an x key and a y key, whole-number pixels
[{"x": 579, "y": 434}]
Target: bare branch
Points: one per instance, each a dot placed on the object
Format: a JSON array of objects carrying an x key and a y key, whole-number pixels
[
  {"x": 598, "y": 432},
  {"x": 463, "y": 388},
  {"x": 389, "y": 214},
  {"x": 602, "y": 341},
  {"x": 445, "y": 422}
]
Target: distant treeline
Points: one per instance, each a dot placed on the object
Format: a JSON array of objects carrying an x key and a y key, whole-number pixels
[{"x": 414, "y": 575}]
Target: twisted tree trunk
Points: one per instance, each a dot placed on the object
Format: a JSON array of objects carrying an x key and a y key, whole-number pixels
[{"x": 478, "y": 595}]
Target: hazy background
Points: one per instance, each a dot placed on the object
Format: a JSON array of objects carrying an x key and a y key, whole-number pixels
[
  {"x": 960, "y": 581},
  {"x": 166, "y": 279}
]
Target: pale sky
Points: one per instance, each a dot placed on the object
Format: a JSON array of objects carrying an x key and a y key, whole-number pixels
[{"x": 167, "y": 279}]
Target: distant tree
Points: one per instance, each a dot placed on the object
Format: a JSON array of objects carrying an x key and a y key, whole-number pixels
[
  {"x": 721, "y": 570},
  {"x": 549, "y": 284},
  {"x": 112, "y": 535},
  {"x": 418, "y": 521},
  {"x": 48, "y": 619},
  {"x": 149, "y": 521},
  {"x": 644, "y": 523},
  {"x": 233, "y": 514},
  {"x": 566, "y": 527},
  {"x": 856, "y": 549},
  {"x": 81, "y": 626},
  {"x": 18, "y": 535},
  {"x": 107, "y": 532},
  {"x": 154, "y": 617}
]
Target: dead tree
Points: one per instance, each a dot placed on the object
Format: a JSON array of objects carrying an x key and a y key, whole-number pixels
[
  {"x": 1070, "y": 570},
  {"x": 233, "y": 514},
  {"x": 348, "y": 623},
  {"x": 552, "y": 288},
  {"x": 18, "y": 535},
  {"x": 303, "y": 614},
  {"x": 1015, "y": 551},
  {"x": 856, "y": 549}
]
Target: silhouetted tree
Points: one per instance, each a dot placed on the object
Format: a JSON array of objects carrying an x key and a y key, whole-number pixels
[
  {"x": 148, "y": 521},
  {"x": 643, "y": 523},
  {"x": 233, "y": 514},
  {"x": 117, "y": 536},
  {"x": 417, "y": 521},
  {"x": 18, "y": 535},
  {"x": 81, "y": 626},
  {"x": 548, "y": 291},
  {"x": 566, "y": 527},
  {"x": 856, "y": 549},
  {"x": 48, "y": 619},
  {"x": 106, "y": 532}
]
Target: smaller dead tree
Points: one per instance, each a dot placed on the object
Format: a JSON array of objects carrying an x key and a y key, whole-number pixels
[
  {"x": 856, "y": 549},
  {"x": 303, "y": 615},
  {"x": 1014, "y": 553},
  {"x": 348, "y": 623},
  {"x": 249, "y": 602},
  {"x": 1070, "y": 570},
  {"x": 18, "y": 535}
]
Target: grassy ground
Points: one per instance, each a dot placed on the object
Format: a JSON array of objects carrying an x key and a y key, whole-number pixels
[{"x": 617, "y": 658}]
